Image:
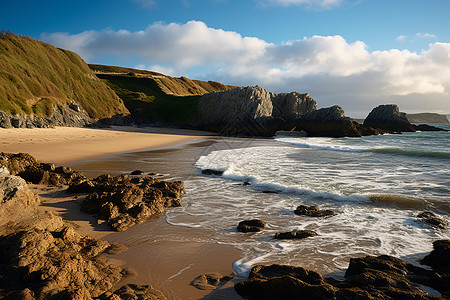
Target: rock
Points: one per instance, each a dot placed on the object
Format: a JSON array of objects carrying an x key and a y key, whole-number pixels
[
  {"x": 290, "y": 106},
  {"x": 123, "y": 201},
  {"x": 426, "y": 127},
  {"x": 439, "y": 258},
  {"x": 313, "y": 211},
  {"x": 388, "y": 117},
  {"x": 212, "y": 172},
  {"x": 251, "y": 225},
  {"x": 250, "y": 111},
  {"x": 27, "y": 167},
  {"x": 135, "y": 291},
  {"x": 433, "y": 220},
  {"x": 69, "y": 115},
  {"x": 330, "y": 122},
  {"x": 294, "y": 234},
  {"x": 369, "y": 277},
  {"x": 209, "y": 281},
  {"x": 137, "y": 172}
]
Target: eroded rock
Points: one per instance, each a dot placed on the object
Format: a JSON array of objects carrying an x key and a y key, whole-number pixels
[
  {"x": 209, "y": 281},
  {"x": 388, "y": 117},
  {"x": 433, "y": 219},
  {"x": 313, "y": 211},
  {"x": 294, "y": 234},
  {"x": 251, "y": 225}
]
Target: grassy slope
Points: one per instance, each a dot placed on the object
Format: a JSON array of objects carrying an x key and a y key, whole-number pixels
[
  {"x": 156, "y": 96},
  {"x": 34, "y": 76}
]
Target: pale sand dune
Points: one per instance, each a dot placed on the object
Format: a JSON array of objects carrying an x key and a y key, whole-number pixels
[{"x": 62, "y": 145}]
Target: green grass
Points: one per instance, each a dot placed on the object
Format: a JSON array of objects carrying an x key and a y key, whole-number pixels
[
  {"x": 144, "y": 96},
  {"x": 35, "y": 76}
]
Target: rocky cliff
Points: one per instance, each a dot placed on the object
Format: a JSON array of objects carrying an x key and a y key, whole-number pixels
[
  {"x": 250, "y": 111},
  {"x": 38, "y": 80}
]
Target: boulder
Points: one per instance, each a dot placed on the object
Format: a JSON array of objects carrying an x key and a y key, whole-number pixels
[
  {"x": 426, "y": 127},
  {"x": 439, "y": 258},
  {"x": 251, "y": 225},
  {"x": 330, "y": 122},
  {"x": 209, "y": 281},
  {"x": 388, "y": 117},
  {"x": 433, "y": 219},
  {"x": 294, "y": 234},
  {"x": 212, "y": 172},
  {"x": 313, "y": 211}
]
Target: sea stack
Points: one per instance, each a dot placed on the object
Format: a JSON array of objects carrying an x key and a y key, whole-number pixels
[{"x": 388, "y": 117}]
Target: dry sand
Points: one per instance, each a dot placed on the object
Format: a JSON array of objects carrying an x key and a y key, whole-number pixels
[
  {"x": 168, "y": 264},
  {"x": 62, "y": 145}
]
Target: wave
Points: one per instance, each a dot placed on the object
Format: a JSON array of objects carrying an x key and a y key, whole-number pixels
[
  {"x": 325, "y": 145},
  {"x": 396, "y": 151}
]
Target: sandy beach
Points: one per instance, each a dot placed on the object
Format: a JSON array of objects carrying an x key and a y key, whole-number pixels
[
  {"x": 173, "y": 259},
  {"x": 62, "y": 145}
]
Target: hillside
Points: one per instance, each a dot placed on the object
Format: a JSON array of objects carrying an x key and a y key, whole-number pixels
[
  {"x": 156, "y": 97},
  {"x": 35, "y": 77},
  {"x": 427, "y": 118}
]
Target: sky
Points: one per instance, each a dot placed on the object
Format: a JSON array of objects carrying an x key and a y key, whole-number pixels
[{"x": 354, "y": 53}]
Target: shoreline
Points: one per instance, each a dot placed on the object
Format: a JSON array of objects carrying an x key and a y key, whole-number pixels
[
  {"x": 166, "y": 263},
  {"x": 67, "y": 145}
]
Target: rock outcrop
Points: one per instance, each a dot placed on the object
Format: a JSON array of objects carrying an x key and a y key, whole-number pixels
[
  {"x": 124, "y": 201},
  {"x": 294, "y": 234},
  {"x": 250, "y": 111},
  {"x": 388, "y": 117},
  {"x": 370, "y": 277},
  {"x": 331, "y": 122},
  {"x": 41, "y": 257},
  {"x": 71, "y": 115},
  {"x": 313, "y": 211},
  {"x": 433, "y": 220}
]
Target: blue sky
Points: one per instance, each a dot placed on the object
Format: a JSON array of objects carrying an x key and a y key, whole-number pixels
[{"x": 355, "y": 53}]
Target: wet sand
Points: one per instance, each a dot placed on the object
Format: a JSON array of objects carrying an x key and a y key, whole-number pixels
[{"x": 164, "y": 256}]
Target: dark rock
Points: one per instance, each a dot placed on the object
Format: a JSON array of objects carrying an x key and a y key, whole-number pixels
[
  {"x": 426, "y": 127},
  {"x": 137, "y": 172},
  {"x": 294, "y": 234},
  {"x": 209, "y": 281},
  {"x": 433, "y": 220},
  {"x": 251, "y": 225},
  {"x": 246, "y": 183},
  {"x": 212, "y": 172},
  {"x": 330, "y": 122},
  {"x": 388, "y": 117},
  {"x": 439, "y": 258},
  {"x": 123, "y": 201},
  {"x": 313, "y": 211},
  {"x": 381, "y": 277}
]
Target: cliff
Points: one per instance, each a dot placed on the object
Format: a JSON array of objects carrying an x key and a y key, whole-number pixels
[
  {"x": 427, "y": 118},
  {"x": 251, "y": 111},
  {"x": 37, "y": 79},
  {"x": 152, "y": 97}
]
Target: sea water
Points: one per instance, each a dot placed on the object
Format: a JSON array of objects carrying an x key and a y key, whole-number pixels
[{"x": 377, "y": 185}]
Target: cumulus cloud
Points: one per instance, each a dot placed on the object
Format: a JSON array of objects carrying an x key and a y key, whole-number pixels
[{"x": 333, "y": 70}]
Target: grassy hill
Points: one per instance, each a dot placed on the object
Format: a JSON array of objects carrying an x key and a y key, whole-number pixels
[
  {"x": 155, "y": 96},
  {"x": 35, "y": 76}
]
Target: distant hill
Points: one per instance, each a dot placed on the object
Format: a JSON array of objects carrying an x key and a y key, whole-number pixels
[
  {"x": 35, "y": 77},
  {"x": 156, "y": 97},
  {"x": 427, "y": 118}
]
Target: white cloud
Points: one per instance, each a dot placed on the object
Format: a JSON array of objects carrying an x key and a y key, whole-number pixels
[
  {"x": 333, "y": 70},
  {"x": 421, "y": 35},
  {"x": 401, "y": 38},
  {"x": 418, "y": 36},
  {"x": 146, "y": 3}
]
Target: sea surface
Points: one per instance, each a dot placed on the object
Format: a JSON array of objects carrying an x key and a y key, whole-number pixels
[{"x": 377, "y": 185}]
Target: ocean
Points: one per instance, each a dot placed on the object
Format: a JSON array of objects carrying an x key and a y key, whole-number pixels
[{"x": 376, "y": 185}]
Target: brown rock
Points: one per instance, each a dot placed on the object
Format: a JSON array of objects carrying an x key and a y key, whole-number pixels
[
  {"x": 209, "y": 281},
  {"x": 294, "y": 234},
  {"x": 313, "y": 211},
  {"x": 433, "y": 220},
  {"x": 251, "y": 225}
]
